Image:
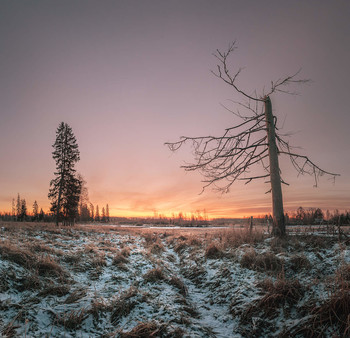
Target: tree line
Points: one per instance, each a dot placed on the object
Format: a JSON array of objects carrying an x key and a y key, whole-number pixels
[
  {"x": 20, "y": 212},
  {"x": 68, "y": 193}
]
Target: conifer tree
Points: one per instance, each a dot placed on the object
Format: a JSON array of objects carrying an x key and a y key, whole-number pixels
[
  {"x": 65, "y": 187},
  {"x": 92, "y": 212},
  {"x": 35, "y": 211},
  {"x": 18, "y": 207},
  {"x": 23, "y": 214},
  {"x": 97, "y": 214},
  {"x": 103, "y": 219},
  {"x": 107, "y": 213},
  {"x": 41, "y": 215}
]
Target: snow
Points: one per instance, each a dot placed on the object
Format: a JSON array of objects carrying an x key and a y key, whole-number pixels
[{"x": 213, "y": 285}]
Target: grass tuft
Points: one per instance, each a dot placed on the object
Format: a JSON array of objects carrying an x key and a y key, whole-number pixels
[
  {"x": 154, "y": 275},
  {"x": 213, "y": 252},
  {"x": 123, "y": 305},
  {"x": 266, "y": 261},
  {"x": 146, "y": 329},
  {"x": 72, "y": 320}
]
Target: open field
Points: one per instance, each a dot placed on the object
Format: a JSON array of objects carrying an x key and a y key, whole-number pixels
[{"x": 90, "y": 281}]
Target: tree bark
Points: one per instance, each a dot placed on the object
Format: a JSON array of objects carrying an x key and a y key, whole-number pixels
[{"x": 279, "y": 228}]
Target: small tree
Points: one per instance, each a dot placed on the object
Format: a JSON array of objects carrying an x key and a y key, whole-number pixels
[
  {"x": 41, "y": 215},
  {"x": 84, "y": 211},
  {"x": 253, "y": 141},
  {"x": 35, "y": 211},
  {"x": 65, "y": 187},
  {"x": 18, "y": 207},
  {"x": 23, "y": 214},
  {"x": 107, "y": 213},
  {"x": 92, "y": 212},
  {"x": 97, "y": 214},
  {"x": 103, "y": 219}
]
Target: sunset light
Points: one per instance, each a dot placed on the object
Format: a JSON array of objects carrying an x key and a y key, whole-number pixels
[{"x": 129, "y": 81}]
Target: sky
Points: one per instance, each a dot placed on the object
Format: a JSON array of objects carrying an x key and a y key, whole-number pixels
[{"x": 128, "y": 76}]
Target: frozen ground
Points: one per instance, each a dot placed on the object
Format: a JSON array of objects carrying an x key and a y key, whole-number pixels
[{"x": 85, "y": 282}]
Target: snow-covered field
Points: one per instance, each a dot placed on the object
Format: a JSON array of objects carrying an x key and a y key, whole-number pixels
[{"x": 120, "y": 282}]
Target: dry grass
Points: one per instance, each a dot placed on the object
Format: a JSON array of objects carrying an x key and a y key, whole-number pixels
[
  {"x": 29, "y": 282},
  {"x": 54, "y": 290},
  {"x": 333, "y": 313},
  {"x": 233, "y": 238},
  {"x": 179, "y": 284},
  {"x": 120, "y": 259},
  {"x": 299, "y": 262},
  {"x": 156, "y": 248},
  {"x": 126, "y": 251},
  {"x": 124, "y": 304},
  {"x": 74, "y": 258},
  {"x": 98, "y": 261},
  {"x": 147, "y": 329},
  {"x": 194, "y": 272},
  {"x": 72, "y": 320},
  {"x": 154, "y": 275},
  {"x": 47, "y": 266},
  {"x": 181, "y": 246},
  {"x": 98, "y": 306},
  {"x": 75, "y": 296},
  {"x": 17, "y": 255},
  {"x": 264, "y": 262},
  {"x": 282, "y": 292},
  {"x": 213, "y": 252}
]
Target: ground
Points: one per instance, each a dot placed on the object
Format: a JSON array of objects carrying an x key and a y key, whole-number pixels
[{"x": 107, "y": 281}]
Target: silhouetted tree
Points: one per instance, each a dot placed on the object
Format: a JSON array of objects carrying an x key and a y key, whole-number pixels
[
  {"x": 18, "y": 207},
  {"x": 107, "y": 213},
  {"x": 97, "y": 214},
  {"x": 92, "y": 212},
  {"x": 65, "y": 188},
  {"x": 23, "y": 214},
  {"x": 84, "y": 211},
  {"x": 35, "y": 211},
  {"x": 41, "y": 215},
  {"x": 13, "y": 214},
  {"x": 103, "y": 219},
  {"x": 229, "y": 157}
]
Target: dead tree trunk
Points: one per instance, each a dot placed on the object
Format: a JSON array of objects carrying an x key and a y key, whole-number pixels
[{"x": 279, "y": 228}]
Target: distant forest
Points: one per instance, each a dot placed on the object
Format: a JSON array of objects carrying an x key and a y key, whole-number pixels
[{"x": 88, "y": 213}]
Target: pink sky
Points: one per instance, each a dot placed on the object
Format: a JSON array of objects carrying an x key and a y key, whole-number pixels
[{"x": 128, "y": 76}]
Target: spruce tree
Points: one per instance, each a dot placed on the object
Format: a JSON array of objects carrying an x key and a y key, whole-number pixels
[
  {"x": 103, "y": 215},
  {"x": 65, "y": 187},
  {"x": 23, "y": 214},
  {"x": 35, "y": 211},
  {"x": 97, "y": 214},
  {"x": 18, "y": 207},
  {"x": 107, "y": 213}
]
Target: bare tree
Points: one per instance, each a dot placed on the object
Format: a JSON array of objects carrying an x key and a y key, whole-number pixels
[{"x": 255, "y": 140}]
